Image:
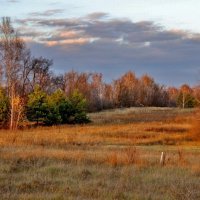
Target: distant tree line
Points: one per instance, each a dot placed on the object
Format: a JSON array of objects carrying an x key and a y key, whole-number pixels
[
  {"x": 29, "y": 90},
  {"x": 128, "y": 91}
]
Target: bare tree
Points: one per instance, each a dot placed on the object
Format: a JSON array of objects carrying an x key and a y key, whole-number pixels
[
  {"x": 11, "y": 51},
  {"x": 185, "y": 91}
]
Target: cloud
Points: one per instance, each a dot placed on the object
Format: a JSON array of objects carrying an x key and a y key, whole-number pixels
[
  {"x": 97, "y": 16},
  {"x": 12, "y": 1},
  {"x": 47, "y": 13},
  {"x": 75, "y": 41},
  {"x": 120, "y": 30},
  {"x": 112, "y": 46},
  {"x": 60, "y": 35}
]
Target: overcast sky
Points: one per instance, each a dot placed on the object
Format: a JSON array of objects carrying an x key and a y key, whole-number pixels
[{"x": 158, "y": 37}]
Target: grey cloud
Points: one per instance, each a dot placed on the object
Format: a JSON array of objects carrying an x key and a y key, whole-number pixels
[
  {"x": 171, "y": 56},
  {"x": 97, "y": 16},
  {"x": 115, "y": 29},
  {"x": 13, "y": 1},
  {"x": 169, "y": 66},
  {"x": 47, "y": 13},
  {"x": 53, "y": 23}
]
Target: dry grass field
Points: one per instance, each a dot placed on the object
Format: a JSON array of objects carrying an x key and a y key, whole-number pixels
[{"x": 117, "y": 156}]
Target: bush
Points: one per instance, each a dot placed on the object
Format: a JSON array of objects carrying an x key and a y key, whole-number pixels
[
  {"x": 36, "y": 106},
  {"x": 56, "y": 108},
  {"x": 186, "y": 101},
  {"x": 4, "y": 108},
  {"x": 78, "y": 108}
]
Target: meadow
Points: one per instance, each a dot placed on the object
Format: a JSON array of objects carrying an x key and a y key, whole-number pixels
[{"x": 117, "y": 156}]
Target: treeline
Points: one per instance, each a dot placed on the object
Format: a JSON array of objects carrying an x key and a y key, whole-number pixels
[
  {"x": 128, "y": 91},
  {"x": 30, "y": 91}
]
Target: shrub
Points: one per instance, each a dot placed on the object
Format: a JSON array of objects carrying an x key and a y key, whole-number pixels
[
  {"x": 36, "y": 107},
  {"x": 4, "y": 108},
  {"x": 56, "y": 108},
  {"x": 78, "y": 108},
  {"x": 186, "y": 101},
  {"x": 53, "y": 103}
]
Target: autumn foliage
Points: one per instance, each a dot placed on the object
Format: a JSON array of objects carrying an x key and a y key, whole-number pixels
[{"x": 21, "y": 73}]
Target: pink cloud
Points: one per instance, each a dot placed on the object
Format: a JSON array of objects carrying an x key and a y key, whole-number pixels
[{"x": 76, "y": 41}]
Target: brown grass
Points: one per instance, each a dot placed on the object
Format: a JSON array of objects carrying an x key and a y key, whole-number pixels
[
  {"x": 194, "y": 133},
  {"x": 118, "y": 159},
  {"x": 87, "y": 142},
  {"x": 128, "y": 156},
  {"x": 93, "y": 135},
  {"x": 111, "y": 144},
  {"x": 196, "y": 170}
]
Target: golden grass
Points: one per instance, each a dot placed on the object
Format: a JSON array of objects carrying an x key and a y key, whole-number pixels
[
  {"x": 126, "y": 134},
  {"x": 115, "y": 157},
  {"x": 194, "y": 133},
  {"x": 128, "y": 156},
  {"x": 110, "y": 143}
]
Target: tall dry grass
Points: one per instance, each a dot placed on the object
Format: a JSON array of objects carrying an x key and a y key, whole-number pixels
[
  {"x": 195, "y": 130},
  {"x": 103, "y": 160},
  {"x": 108, "y": 143}
]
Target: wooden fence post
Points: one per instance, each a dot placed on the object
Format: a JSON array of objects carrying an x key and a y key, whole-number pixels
[{"x": 162, "y": 159}]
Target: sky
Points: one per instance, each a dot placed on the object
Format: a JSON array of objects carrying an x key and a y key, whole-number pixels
[{"x": 157, "y": 37}]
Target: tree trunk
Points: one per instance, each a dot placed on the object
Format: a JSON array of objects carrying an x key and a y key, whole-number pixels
[{"x": 12, "y": 108}]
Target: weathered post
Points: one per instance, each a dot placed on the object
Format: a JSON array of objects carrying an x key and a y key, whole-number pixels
[{"x": 162, "y": 159}]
